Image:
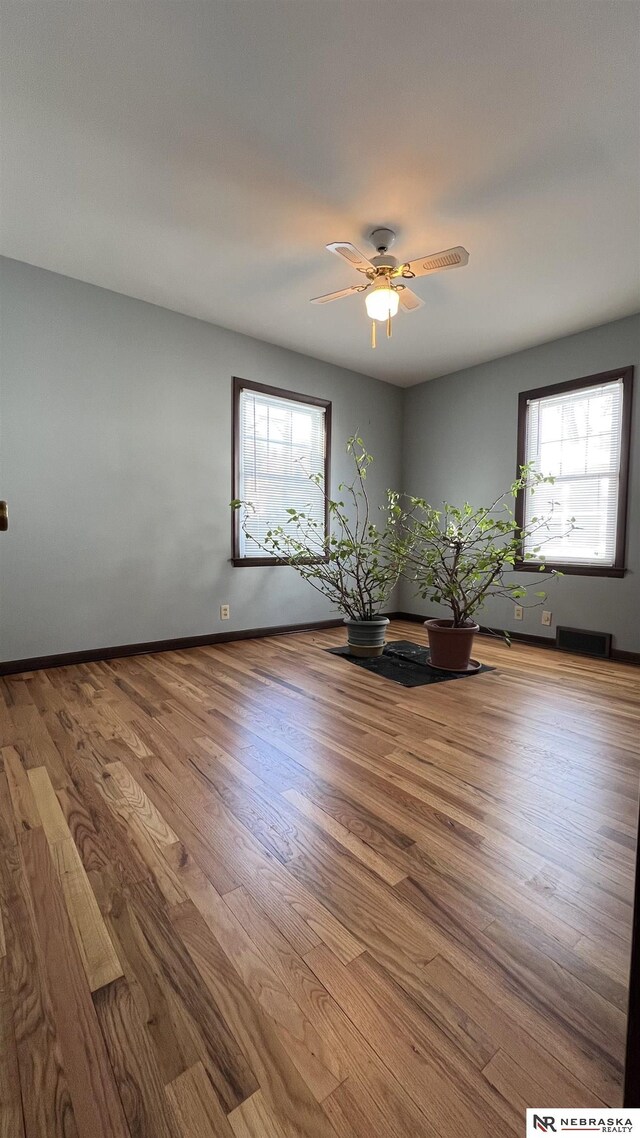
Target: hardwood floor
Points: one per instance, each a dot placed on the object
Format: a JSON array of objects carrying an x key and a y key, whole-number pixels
[{"x": 251, "y": 891}]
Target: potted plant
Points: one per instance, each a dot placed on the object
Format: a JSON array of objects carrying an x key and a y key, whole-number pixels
[
  {"x": 357, "y": 564},
  {"x": 460, "y": 556}
]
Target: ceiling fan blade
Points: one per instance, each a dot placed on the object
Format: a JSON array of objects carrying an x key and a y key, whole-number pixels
[
  {"x": 355, "y": 258},
  {"x": 408, "y": 300},
  {"x": 435, "y": 262},
  {"x": 336, "y": 295}
]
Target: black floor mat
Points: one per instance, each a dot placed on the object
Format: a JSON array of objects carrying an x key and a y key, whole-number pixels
[{"x": 404, "y": 663}]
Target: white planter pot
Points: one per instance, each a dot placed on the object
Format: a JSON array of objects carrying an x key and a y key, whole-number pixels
[{"x": 366, "y": 637}]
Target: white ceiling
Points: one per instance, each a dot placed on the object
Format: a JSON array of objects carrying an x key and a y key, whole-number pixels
[{"x": 200, "y": 155}]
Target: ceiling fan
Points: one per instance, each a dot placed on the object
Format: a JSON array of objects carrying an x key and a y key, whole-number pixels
[{"x": 384, "y": 288}]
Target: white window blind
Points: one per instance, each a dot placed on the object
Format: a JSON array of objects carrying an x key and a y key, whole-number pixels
[
  {"x": 576, "y": 436},
  {"x": 282, "y": 441}
]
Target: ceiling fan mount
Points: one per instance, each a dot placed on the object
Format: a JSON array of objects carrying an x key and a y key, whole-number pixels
[
  {"x": 382, "y": 239},
  {"x": 384, "y": 287}
]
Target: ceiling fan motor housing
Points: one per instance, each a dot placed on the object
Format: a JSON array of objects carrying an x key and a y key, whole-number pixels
[{"x": 384, "y": 261}]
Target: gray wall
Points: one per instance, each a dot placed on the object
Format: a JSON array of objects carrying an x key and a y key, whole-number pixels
[
  {"x": 115, "y": 458},
  {"x": 460, "y": 445}
]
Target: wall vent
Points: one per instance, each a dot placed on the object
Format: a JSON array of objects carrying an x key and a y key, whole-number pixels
[{"x": 587, "y": 643}]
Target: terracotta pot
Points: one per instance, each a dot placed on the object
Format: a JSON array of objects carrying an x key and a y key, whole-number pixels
[
  {"x": 366, "y": 637},
  {"x": 450, "y": 647}
]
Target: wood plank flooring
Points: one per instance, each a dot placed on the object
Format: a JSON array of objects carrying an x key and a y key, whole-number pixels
[{"x": 251, "y": 891}]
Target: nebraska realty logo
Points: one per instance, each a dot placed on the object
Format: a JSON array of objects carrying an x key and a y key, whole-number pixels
[{"x": 546, "y": 1120}]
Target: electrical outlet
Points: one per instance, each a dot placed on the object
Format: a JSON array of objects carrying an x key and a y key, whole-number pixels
[
  {"x": 225, "y": 612},
  {"x": 518, "y": 612},
  {"x": 546, "y": 617}
]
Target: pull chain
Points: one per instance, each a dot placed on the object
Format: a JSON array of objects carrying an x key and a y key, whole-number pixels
[{"x": 373, "y": 333}]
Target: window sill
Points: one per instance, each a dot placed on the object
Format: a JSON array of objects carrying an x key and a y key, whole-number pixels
[
  {"x": 252, "y": 562},
  {"x": 571, "y": 570}
]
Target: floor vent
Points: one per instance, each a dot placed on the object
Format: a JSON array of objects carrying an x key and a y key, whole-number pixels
[{"x": 588, "y": 643}]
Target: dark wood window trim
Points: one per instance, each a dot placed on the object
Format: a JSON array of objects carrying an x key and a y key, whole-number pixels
[
  {"x": 618, "y": 568},
  {"x": 240, "y": 385}
]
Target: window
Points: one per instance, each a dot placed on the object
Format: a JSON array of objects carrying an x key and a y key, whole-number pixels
[
  {"x": 279, "y": 439},
  {"x": 579, "y": 432}
]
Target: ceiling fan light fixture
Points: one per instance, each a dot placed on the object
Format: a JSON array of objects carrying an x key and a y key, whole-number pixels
[{"x": 382, "y": 301}]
